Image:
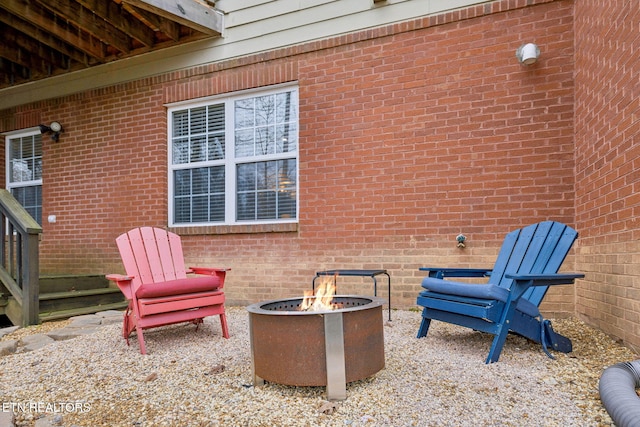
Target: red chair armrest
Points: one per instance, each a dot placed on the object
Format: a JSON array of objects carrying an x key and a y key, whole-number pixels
[
  {"x": 123, "y": 282},
  {"x": 119, "y": 278}
]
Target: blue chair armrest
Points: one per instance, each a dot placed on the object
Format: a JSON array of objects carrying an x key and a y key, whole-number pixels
[
  {"x": 456, "y": 272},
  {"x": 545, "y": 279},
  {"x": 522, "y": 282}
]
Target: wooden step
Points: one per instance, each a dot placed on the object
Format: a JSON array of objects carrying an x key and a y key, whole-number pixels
[
  {"x": 70, "y": 295},
  {"x": 60, "y": 301},
  {"x": 65, "y": 314},
  {"x": 53, "y": 284}
]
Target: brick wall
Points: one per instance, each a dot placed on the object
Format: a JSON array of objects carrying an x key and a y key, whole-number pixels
[
  {"x": 409, "y": 135},
  {"x": 607, "y": 164}
]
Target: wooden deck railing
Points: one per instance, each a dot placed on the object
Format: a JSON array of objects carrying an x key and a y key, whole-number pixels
[{"x": 19, "y": 259}]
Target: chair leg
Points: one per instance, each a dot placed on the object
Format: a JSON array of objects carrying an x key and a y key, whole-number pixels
[
  {"x": 498, "y": 343},
  {"x": 554, "y": 340},
  {"x": 127, "y": 324},
  {"x": 223, "y": 322},
  {"x": 424, "y": 326},
  {"x": 143, "y": 349},
  {"x": 197, "y": 322}
]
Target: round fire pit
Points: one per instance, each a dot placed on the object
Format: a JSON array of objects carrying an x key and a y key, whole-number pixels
[{"x": 317, "y": 348}]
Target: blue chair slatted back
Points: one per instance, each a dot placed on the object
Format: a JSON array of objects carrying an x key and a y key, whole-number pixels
[{"x": 537, "y": 249}]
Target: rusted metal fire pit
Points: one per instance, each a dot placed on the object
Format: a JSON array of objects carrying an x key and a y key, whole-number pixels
[{"x": 317, "y": 348}]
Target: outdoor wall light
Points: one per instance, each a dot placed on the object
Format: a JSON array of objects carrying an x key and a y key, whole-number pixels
[
  {"x": 528, "y": 53},
  {"x": 54, "y": 128}
]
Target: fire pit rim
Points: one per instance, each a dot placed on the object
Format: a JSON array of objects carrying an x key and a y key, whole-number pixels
[{"x": 256, "y": 308}]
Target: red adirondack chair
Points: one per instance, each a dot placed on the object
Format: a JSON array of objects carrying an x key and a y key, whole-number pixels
[{"x": 158, "y": 288}]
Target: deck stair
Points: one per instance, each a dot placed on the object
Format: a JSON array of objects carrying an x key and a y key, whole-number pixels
[{"x": 62, "y": 297}]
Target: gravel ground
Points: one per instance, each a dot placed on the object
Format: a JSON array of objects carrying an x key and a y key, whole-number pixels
[{"x": 200, "y": 379}]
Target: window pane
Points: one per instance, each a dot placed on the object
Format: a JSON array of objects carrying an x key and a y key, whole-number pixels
[
  {"x": 198, "y": 149},
  {"x": 244, "y": 143},
  {"x": 182, "y": 209},
  {"x": 37, "y": 172},
  {"x": 16, "y": 152},
  {"x": 216, "y": 181},
  {"x": 286, "y": 138},
  {"x": 271, "y": 129},
  {"x": 20, "y": 171},
  {"x": 265, "y": 139},
  {"x": 182, "y": 182},
  {"x": 181, "y": 123},
  {"x": 26, "y": 158},
  {"x": 216, "y": 132},
  {"x": 198, "y": 134},
  {"x": 180, "y": 151},
  {"x": 27, "y": 148},
  {"x": 216, "y": 147},
  {"x": 287, "y": 108},
  {"x": 31, "y": 199},
  {"x": 287, "y": 121},
  {"x": 216, "y": 118},
  {"x": 265, "y": 110},
  {"x": 266, "y": 190},
  {"x": 200, "y": 209},
  {"x": 246, "y": 177},
  {"x": 287, "y": 182},
  {"x": 266, "y": 175},
  {"x": 198, "y": 122},
  {"x": 244, "y": 115},
  {"x": 246, "y": 206},
  {"x": 266, "y": 206},
  {"x": 199, "y": 195}
]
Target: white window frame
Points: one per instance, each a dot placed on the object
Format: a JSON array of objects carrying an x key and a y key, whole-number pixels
[
  {"x": 8, "y": 170},
  {"x": 230, "y": 161}
]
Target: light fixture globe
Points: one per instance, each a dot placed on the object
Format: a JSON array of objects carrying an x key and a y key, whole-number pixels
[
  {"x": 528, "y": 53},
  {"x": 55, "y": 128}
]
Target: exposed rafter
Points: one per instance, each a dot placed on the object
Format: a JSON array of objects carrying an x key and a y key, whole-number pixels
[
  {"x": 43, "y": 38},
  {"x": 190, "y": 13}
]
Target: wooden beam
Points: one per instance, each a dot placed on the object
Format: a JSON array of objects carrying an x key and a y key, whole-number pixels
[
  {"x": 190, "y": 13},
  {"x": 170, "y": 28},
  {"x": 30, "y": 53},
  {"x": 32, "y": 13},
  {"x": 12, "y": 73},
  {"x": 121, "y": 19},
  {"x": 46, "y": 39},
  {"x": 85, "y": 19}
]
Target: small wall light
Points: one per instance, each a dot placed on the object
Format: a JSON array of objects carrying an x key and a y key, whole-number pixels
[
  {"x": 54, "y": 128},
  {"x": 528, "y": 53}
]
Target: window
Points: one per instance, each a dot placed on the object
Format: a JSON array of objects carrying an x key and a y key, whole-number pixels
[
  {"x": 24, "y": 170},
  {"x": 234, "y": 160}
]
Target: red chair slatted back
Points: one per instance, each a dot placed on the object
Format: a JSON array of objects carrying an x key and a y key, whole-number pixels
[{"x": 151, "y": 255}]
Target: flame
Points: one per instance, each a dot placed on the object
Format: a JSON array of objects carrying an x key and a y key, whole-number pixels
[{"x": 322, "y": 300}]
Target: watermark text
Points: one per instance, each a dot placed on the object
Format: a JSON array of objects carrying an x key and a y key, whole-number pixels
[{"x": 46, "y": 407}]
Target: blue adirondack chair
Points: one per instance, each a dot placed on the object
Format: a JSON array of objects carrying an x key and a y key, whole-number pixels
[{"x": 527, "y": 265}]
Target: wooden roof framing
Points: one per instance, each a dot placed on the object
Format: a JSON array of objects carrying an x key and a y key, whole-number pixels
[{"x": 44, "y": 38}]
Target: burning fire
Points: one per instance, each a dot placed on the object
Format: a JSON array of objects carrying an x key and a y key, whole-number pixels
[{"x": 322, "y": 300}]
